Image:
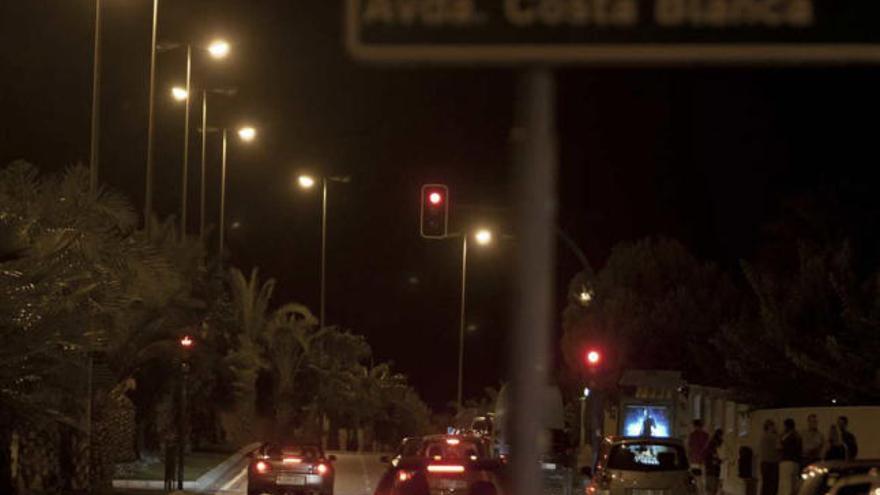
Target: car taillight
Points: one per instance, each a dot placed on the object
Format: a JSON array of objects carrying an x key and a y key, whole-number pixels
[
  {"x": 322, "y": 469},
  {"x": 262, "y": 467},
  {"x": 445, "y": 468},
  {"x": 403, "y": 476}
]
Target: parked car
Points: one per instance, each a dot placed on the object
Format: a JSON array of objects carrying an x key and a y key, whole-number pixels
[{"x": 819, "y": 478}]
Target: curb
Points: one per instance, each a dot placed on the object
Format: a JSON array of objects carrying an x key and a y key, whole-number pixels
[
  {"x": 219, "y": 470},
  {"x": 200, "y": 484}
]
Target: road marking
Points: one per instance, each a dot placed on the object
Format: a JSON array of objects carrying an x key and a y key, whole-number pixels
[
  {"x": 367, "y": 485},
  {"x": 234, "y": 481}
]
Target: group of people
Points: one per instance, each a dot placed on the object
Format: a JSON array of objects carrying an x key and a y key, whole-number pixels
[
  {"x": 783, "y": 456},
  {"x": 704, "y": 454}
]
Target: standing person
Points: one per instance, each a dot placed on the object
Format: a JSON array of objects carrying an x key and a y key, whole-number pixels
[
  {"x": 789, "y": 466},
  {"x": 814, "y": 442},
  {"x": 712, "y": 463},
  {"x": 770, "y": 457},
  {"x": 836, "y": 449},
  {"x": 697, "y": 442},
  {"x": 848, "y": 439}
]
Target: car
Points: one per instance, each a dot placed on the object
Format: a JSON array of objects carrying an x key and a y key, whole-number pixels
[
  {"x": 820, "y": 477},
  {"x": 863, "y": 484},
  {"x": 441, "y": 465},
  {"x": 290, "y": 469},
  {"x": 641, "y": 466}
]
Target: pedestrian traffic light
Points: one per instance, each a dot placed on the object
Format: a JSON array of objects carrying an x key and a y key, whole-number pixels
[{"x": 434, "y": 211}]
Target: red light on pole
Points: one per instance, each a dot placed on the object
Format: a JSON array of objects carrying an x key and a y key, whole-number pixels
[
  {"x": 186, "y": 342},
  {"x": 435, "y": 198}
]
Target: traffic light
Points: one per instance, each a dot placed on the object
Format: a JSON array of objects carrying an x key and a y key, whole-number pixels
[
  {"x": 592, "y": 358},
  {"x": 435, "y": 211}
]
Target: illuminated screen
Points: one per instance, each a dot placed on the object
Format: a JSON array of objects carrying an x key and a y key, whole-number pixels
[{"x": 646, "y": 421}]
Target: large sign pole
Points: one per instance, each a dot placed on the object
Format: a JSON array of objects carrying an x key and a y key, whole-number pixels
[{"x": 535, "y": 162}]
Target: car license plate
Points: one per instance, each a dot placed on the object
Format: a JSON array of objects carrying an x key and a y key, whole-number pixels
[
  {"x": 287, "y": 479},
  {"x": 452, "y": 484}
]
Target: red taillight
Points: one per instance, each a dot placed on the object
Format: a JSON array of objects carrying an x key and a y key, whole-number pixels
[
  {"x": 445, "y": 468},
  {"x": 322, "y": 469},
  {"x": 404, "y": 475},
  {"x": 262, "y": 467}
]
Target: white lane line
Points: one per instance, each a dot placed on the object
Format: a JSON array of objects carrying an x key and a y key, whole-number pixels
[
  {"x": 368, "y": 487},
  {"x": 234, "y": 481}
]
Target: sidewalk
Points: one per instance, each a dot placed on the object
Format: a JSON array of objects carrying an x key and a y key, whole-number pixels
[{"x": 204, "y": 481}]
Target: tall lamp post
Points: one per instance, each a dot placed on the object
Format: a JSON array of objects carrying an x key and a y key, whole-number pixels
[
  {"x": 218, "y": 49},
  {"x": 204, "y": 165},
  {"x": 94, "y": 150},
  {"x": 246, "y": 134},
  {"x": 483, "y": 237},
  {"x": 148, "y": 193},
  {"x": 308, "y": 182}
]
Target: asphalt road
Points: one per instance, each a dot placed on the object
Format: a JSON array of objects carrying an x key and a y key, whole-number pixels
[{"x": 356, "y": 474}]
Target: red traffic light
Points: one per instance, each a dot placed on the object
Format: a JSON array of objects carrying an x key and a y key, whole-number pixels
[
  {"x": 434, "y": 213},
  {"x": 592, "y": 357},
  {"x": 186, "y": 342}
]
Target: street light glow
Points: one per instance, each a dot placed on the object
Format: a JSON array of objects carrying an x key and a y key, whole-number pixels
[
  {"x": 306, "y": 181},
  {"x": 247, "y": 133},
  {"x": 585, "y": 296},
  {"x": 179, "y": 93},
  {"x": 483, "y": 237},
  {"x": 218, "y": 49}
]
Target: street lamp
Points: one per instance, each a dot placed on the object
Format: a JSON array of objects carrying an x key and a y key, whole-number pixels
[
  {"x": 308, "y": 182},
  {"x": 246, "y": 134},
  {"x": 483, "y": 237},
  {"x": 218, "y": 49},
  {"x": 179, "y": 93}
]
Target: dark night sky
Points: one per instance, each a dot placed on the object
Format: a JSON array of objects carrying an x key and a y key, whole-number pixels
[{"x": 704, "y": 155}]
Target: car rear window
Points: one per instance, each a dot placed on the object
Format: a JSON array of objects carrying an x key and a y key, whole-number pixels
[
  {"x": 464, "y": 449},
  {"x": 647, "y": 456},
  {"x": 303, "y": 452}
]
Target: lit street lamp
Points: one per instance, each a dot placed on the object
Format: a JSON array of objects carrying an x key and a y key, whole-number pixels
[
  {"x": 483, "y": 237},
  {"x": 179, "y": 94},
  {"x": 246, "y": 134},
  {"x": 218, "y": 49},
  {"x": 307, "y": 182}
]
